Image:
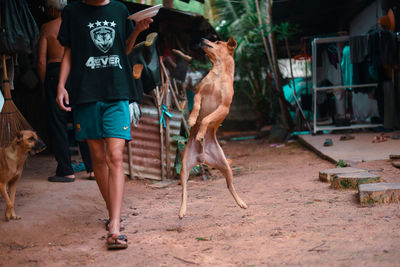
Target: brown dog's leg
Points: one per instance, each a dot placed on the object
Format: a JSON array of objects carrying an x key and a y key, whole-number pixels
[
  {"x": 9, "y": 207},
  {"x": 12, "y": 186},
  {"x": 189, "y": 160},
  {"x": 215, "y": 157},
  {"x": 196, "y": 109},
  {"x": 218, "y": 115}
]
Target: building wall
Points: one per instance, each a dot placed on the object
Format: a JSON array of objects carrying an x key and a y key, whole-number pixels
[{"x": 366, "y": 19}]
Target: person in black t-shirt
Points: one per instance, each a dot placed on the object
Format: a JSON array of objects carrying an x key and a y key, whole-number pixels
[{"x": 97, "y": 37}]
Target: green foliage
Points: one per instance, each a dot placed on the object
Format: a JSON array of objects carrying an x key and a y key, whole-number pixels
[
  {"x": 198, "y": 65},
  {"x": 239, "y": 19},
  {"x": 341, "y": 164},
  {"x": 250, "y": 59},
  {"x": 286, "y": 30}
]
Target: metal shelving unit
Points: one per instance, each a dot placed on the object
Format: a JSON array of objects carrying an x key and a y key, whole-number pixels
[{"x": 317, "y": 89}]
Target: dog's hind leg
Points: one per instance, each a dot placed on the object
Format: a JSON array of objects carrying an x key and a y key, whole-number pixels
[
  {"x": 189, "y": 159},
  {"x": 12, "y": 188},
  {"x": 9, "y": 206},
  {"x": 215, "y": 157}
]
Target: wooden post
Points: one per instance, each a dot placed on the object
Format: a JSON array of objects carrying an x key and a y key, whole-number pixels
[
  {"x": 156, "y": 95},
  {"x": 167, "y": 130},
  {"x": 185, "y": 123}
]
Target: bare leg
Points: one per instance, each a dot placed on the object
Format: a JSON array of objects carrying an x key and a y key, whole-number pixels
[
  {"x": 9, "y": 207},
  {"x": 12, "y": 186},
  {"x": 116, "y": 181},
  {"x": 189, "y": 159},
  {"x": 215, "y": 157},
  {"x": 100, "y": 168}
]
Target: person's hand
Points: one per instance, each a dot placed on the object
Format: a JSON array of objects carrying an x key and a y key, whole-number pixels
[
  {"x": 62, "y": 99},
  {"x": 143, "y": 25}
]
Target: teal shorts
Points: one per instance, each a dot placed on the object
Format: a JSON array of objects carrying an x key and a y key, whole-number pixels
[{"x": 102, "y": 119}]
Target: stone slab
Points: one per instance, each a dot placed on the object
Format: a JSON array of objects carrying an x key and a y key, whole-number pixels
[
  {"x": 379, "y": 193},
  {"x": 359, "y": 149},
  {"x": 328, "y": 175},
  {"x": 396, "y": 164},
  {"x": 353, "y": 180}
]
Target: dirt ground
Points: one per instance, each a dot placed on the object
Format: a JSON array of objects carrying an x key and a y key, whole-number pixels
[{"x": 292, "y": 219}]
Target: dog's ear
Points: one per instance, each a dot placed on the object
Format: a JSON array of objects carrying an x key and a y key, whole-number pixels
[
  {"x": 19, "y": 137},
  {"x": 231, "y": 45}
]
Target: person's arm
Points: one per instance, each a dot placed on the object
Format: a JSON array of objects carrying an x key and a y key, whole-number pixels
[
  {"x": 139, "y": 27},
  {"x": 62, "y": 94},
  {"x": 42, "y": 57}
]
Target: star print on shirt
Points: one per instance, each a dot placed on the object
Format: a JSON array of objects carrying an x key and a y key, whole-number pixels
[
  {"x": 91, "y": 25},
  {"x": 98, "y": 23},
  {"x": 112, "y": 24},
  {"x": 105, "y": 23}
]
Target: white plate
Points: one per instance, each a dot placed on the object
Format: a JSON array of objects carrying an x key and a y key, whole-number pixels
[{"x": 145, "y": 13}]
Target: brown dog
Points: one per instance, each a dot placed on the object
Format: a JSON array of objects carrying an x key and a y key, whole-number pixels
[
  {"x": 211, "y": 105},
  {"x": 12, "y": 159}
]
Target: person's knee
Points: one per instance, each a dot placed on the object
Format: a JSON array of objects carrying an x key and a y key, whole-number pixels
[{"x": 114, "y": 158}]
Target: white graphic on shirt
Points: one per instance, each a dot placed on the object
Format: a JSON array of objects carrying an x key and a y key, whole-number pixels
[
  {"x": 103, "y": 62},
  {"x": 102, "y": 34}
]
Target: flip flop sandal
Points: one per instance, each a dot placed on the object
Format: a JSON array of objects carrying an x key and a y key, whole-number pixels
[
  {"x": 328, "y": 142},
  {"x": 60, "y": 179},
  {"x": 396, "y": 136},
  {"x": 121, "y": 227},
  {"x": 346, "y": 137},
  {"x": 115, "y": 244},
  {"x": 379, "y": 139}
]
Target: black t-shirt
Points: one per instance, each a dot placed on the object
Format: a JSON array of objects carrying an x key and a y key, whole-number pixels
[{"x": 100, "y": 70}]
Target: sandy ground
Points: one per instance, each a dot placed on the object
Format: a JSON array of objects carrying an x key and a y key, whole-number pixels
[{"x": 292, "y": 219}]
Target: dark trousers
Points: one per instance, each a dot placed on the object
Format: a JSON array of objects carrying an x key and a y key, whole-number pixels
[{"x": 58, "y": 120}]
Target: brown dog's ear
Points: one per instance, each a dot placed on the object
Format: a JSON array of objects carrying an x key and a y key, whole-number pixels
[
  {"x": 231, "y": 45},
  {"x": 19, "y": 137}
]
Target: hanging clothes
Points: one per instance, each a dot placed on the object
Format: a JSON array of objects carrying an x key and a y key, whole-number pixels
[
  {"x": 358, "y": 48},
  {"x": 347, "y": 66},
  {"x": 19, "y": 32},
  {"x": 363, "y": 106},
  {"x": 328, "y": 71}
]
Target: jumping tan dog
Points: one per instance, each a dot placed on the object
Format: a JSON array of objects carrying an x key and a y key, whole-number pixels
[
  {"x": 12, "y": 159},
  {"x": 211, "y": 105}
]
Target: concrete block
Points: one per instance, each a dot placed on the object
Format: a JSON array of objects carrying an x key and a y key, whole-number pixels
[
  {"x": 379, "y": 193},
  {"x": 327, "y": 175},
  {"x": 394, "y": 156},
  {"x": 352, "y": 180}
]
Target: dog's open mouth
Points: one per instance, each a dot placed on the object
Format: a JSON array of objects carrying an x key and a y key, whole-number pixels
[{"x": 207, "y": 45}]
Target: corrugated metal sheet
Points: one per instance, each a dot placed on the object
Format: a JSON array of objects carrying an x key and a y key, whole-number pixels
[{"x": 144, "y": 161}]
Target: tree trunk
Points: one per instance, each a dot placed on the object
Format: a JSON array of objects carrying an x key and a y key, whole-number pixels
[
  {"x": 286, "y": 119},
  {"x": 168, "y": 3}
]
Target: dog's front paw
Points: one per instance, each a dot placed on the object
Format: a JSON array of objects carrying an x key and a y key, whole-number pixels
[
  {"x": 191, "y": 121},
  {"x": 200, "y": 137}
]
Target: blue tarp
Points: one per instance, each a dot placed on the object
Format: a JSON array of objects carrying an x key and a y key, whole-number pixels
[{"x": 300, "y": 86}]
